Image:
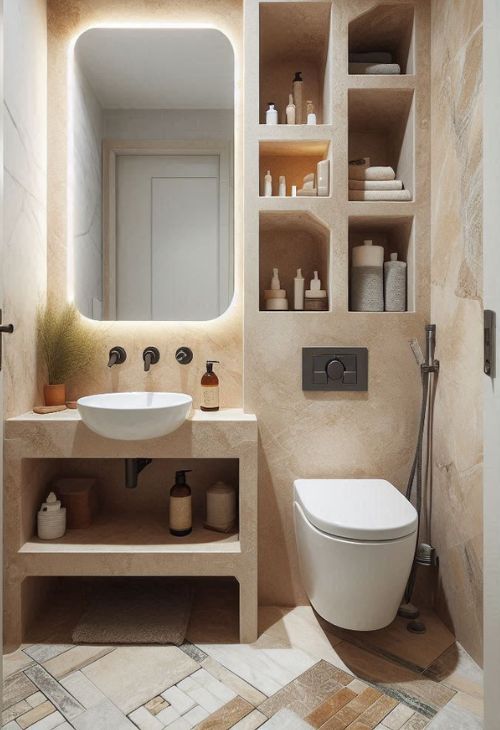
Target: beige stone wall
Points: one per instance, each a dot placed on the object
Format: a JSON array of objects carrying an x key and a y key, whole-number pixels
[
  {"x": 456, "y": 308},
  {"x": 220, "y": 339}
]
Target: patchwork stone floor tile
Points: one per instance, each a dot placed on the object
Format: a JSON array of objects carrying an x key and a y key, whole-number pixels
[
  {"x": 16, "y": 688},
  {"x": 416, "y": 722},
  {"x": 469, "y": 703},
  {"x": 103, "y": 716},
  {"x": 397, "y": 718},
  {"x": 195, "y": 716},
  {"x": 458, "y": 670},
  {"x": 49, "y": 723},
  {"x": 157, "y": 704},
  {"x": 34, "y": 714},
  {"x": 330, "y": 707},
  {"x": 43, "y": 652},
  {"x": 286, "y": 720},
  {"x": 227, "y": 716},
  {"x": 145, "y": 720},
  {"x": 234, "y": 682},
  {"x": 15, "y": 662},
  {"x": 130, "y": 676},
  {"x": 14, "y": 711},
  {"x": 55, "y": 692},
  {"x": 36, "y": 699},
  {"x": 266, "y": 669},
  {"x": 308, "y": 690},
  {"x": 82, "y": 689},
  {"x": 180, "y": 701},
  {"x": 352, "y": 710},
  {"x": 75, "y": 658},
  {"x": 193, "y": 651},
  {"x": 251, "y": 722},
  {"x": 374, "y": 714}
]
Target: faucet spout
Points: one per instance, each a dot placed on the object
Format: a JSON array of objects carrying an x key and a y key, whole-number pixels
[{"x": 151, "y": 356}]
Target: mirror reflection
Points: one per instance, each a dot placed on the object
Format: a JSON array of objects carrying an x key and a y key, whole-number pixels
[{"x": 151, "y": 174}]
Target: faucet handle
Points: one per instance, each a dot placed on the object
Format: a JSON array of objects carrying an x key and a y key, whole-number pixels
[
  {"x": 117, "y": 356},
  {"x": 184, "y": 355}
]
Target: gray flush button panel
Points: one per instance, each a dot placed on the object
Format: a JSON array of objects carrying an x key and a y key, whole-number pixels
[{"x": 335, "y": 368}]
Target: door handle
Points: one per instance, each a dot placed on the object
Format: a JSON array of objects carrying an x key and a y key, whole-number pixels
[{"x": 7, "y": 329}]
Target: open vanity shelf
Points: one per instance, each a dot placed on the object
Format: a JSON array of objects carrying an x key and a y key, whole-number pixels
[
  {"x": 384, "y": 117},
  {"x": 129, "y": 535}
]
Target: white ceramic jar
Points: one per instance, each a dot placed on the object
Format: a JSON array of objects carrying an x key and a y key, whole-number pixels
[
  {"x": 221, "y": 506},
  {"x": 51, "y": 519}
]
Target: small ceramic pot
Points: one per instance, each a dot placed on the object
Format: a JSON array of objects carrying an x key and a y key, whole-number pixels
[{"x": 54, "y": 395}]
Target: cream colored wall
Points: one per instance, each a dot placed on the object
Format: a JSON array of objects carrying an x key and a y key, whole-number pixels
[
  {"x": 24, "y": 253},
  {"x": 220, "y": 339},
  {"x": 456, "y": 308}
]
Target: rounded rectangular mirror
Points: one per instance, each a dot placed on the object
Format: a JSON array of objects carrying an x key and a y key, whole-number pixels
[{"x": 151, "y": 174}]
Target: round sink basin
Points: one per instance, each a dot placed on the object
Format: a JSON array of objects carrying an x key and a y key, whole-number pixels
[{"x": 134, "y": 416}]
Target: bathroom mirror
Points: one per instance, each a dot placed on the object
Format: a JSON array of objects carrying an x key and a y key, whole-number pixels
[{"x": 151, "y": 173}]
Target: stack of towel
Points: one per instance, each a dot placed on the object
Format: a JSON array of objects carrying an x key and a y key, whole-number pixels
[
  {"x": 375, "y": 62},
  {"x": 374, "y": 183}
]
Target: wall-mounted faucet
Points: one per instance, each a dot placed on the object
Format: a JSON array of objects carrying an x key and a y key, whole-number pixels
[
  {"x": 151, "y": 355},
  {"x": 117, "y": 356}
]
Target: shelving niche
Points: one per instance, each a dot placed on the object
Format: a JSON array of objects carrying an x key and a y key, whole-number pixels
[
  {"x": 293, "y": 159},
  {"x": 295, "y": 37},
  {"x": 386, "y": 28},
  {"x": 395, "y": 234},
  {"x": 292, "y": 240},
  {"x": 381, "y": 126}
]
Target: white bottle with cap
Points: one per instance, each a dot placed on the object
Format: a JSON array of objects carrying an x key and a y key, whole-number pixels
[
  {"x": 221, "y": 507},
  {"x": 282, "y": 187},
  {"x": 51, "y": 519},
  {"x": 298, "y": 291},
  {"x": 271, "y": 114},
  {"x": 268, "y": 184}
]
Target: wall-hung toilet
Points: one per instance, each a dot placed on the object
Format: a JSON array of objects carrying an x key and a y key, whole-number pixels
[{"x": 356, "y": 541}]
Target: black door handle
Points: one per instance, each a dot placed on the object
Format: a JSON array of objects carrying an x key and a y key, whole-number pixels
[{"x": 7, "y": 328}]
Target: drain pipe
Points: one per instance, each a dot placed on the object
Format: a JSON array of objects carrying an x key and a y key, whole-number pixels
[{"x": 133, "y": 468}]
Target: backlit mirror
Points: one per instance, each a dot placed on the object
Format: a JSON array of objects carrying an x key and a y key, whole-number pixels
[{"x": 151, "y": 173}]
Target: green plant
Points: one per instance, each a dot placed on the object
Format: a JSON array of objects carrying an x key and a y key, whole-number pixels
[{"x": 66, "y": 345}]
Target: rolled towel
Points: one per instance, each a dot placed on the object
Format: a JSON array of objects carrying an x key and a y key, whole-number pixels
[
  {"x": 371, "y": 57},
  {"x": 379, "y": 195},
  {"x": 375, "y": 185},
  {"x": 357, "y": 172},
  {"x": 375, "y": 68}
]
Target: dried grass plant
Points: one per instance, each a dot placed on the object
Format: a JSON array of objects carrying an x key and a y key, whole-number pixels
[{"x": 66, "y": 345}]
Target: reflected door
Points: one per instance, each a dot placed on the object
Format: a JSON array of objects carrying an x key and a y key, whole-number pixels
[{"x": 171, "y": 249}]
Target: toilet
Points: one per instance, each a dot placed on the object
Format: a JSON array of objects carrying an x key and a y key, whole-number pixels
[{"x": 356, "y": 541}]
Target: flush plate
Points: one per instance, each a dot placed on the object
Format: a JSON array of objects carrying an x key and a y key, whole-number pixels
[{"x": 335, "y": 368}]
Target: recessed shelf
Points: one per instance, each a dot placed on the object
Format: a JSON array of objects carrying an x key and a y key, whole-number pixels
[
  {"x": 290, "y": 240},
  {"x": 381, "y": 126},
  {"x": 292, "y": 158},
  {"x": 295, "y": 37},
  {"x": 137, "y": 532},
  {"x": 386, "y": 28},
  {"x": 396, "y": 235}
]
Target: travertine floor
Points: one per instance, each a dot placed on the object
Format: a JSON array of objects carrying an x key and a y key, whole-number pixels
[{"x": 301, "y": 673}]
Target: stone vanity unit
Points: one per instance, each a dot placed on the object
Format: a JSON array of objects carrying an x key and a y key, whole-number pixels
[{"x": 129, "y": 536}]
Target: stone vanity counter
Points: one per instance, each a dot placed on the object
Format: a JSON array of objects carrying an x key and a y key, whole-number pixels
[{"x": 221, "y": 434}]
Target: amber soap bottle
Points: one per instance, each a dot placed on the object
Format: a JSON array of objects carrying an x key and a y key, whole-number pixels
[{"x": 210, "y": 388}]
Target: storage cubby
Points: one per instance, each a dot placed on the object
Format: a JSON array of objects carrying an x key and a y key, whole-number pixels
[
  {"x": 396, "y": 235},
  {"x": 386, "y": 28},
  {"x": 381, "y": 127},
  {"x": 291, "y": 240},
  {"x": 295, "y": 37},
  {"x": 139, "y": 516},
  {"x": 294, "y": 160},
  {"x": 60, "y": 602}
]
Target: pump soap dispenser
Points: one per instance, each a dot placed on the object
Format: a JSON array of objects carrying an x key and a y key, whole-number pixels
[
  {"x": 210, "y": 388},
  {"x": 180, "y": 510}
]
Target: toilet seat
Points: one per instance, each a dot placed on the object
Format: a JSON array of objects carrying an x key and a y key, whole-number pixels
[{"x": 356, "y": 509}]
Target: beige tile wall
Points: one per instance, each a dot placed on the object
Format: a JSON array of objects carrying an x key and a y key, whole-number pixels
[{"x": 456, "y": 308}]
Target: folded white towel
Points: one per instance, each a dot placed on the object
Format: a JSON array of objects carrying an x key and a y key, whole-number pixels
[
  {"x": 379, "y": 195},
  {"x": 357, "y": 172},
  {"x": 371, "y": 57},
  {"x": 375, "y": 185},
  {"x": 375, "y": 68}
]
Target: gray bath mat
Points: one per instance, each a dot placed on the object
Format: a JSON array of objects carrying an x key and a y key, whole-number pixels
[{"x": 136, "y": 611}]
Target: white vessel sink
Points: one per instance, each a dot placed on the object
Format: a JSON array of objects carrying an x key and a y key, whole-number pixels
[{"x": 134, "y": 416}]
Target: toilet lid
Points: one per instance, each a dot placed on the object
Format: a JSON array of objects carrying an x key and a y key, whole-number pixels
[{"x": 358, "y": 509}]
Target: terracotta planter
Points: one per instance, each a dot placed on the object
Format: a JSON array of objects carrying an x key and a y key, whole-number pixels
[{"x": 54, "y": 395}]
